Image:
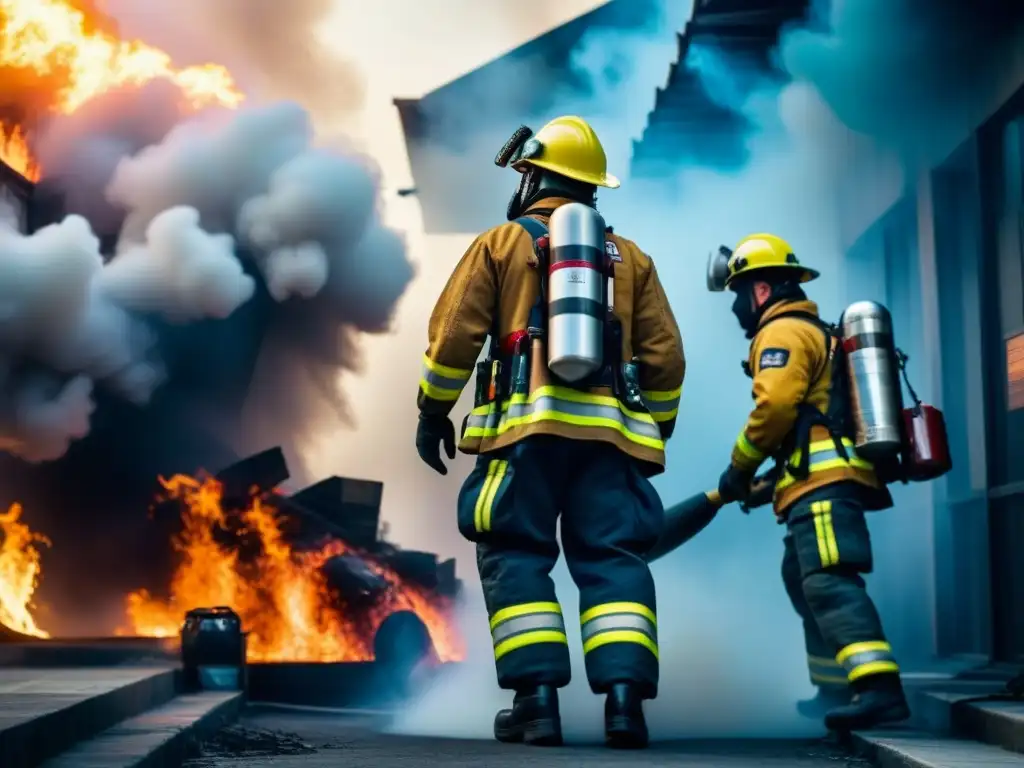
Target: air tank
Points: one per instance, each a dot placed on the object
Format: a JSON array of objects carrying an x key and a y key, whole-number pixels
[
  {"x": 876, "y": 401},
  {"x": 576, "y": 292}
]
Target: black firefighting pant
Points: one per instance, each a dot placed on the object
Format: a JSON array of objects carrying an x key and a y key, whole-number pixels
[
  {"x": 611, "y": 515},
  {"x": 827, "y": 548}
]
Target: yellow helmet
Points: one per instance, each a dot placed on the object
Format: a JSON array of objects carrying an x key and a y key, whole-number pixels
[
  {"x": 752, "y": 254},
  {"x": 569, "y": 146}
]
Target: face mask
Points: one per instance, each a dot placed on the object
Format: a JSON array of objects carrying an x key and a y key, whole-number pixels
[{"x": 743, "y": 309}]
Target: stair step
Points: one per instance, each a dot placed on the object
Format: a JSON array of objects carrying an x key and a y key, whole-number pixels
[
  {"x": 1000, "y": 723},
  {"x": 160, "y": 738},
  {"x": 911, "y": 749},
  {"x": 43, "y": 712}
]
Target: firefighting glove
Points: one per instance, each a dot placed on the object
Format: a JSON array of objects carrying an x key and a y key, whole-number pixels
[
  {"x": 734, "y": 484},
  {"x": 762, "y": 491},
  {"x": 430, "y": 433}
]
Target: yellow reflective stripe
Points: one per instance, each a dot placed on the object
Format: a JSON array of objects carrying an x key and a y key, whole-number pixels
[
  {"x": 492, "y": 492},
  {"x": 662, "y": 404},
  {"x": 868, "y": 658},
  {"x": 446, "y": 371},
  {"x": 873, "y": 668},
  {"x": 871, "y": 646},
  {"x": 609, "y": 608},
  {"x": 481, "y": 497},
  {"x": 821, "y": 661},
  {"x": 621, "y": 636},
  {"x": 820, "y": 679},
  {"x": 515, "y": 611},
  {"x": 748, "y": 449},
  {"x": 568, "y": 406},
  {"x": 662, "y": 395},
  {"x": 442, "y": 382},
  {"x": 823, "y": 456},
  {"x": 529, "y": 638},
  {"x": 828, "y": 547},
  {"x": 519, "y": 626}
]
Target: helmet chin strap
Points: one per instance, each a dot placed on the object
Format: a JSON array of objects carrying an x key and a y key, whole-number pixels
[
  {"x": 537, "y": 184},
  {"x": 529, "y": 185}
]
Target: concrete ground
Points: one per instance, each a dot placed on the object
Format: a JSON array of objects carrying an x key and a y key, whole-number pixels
[{"x": 273, "y": 737}]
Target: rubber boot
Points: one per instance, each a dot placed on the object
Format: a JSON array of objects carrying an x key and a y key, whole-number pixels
[
  {"x": 877, "y": 699},
  {"x": 827, "y": 698},
  {"x": 624, "y": 723},
  {"x": 533, "y": 719}
]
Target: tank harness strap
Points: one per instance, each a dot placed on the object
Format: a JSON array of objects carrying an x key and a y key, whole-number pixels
[{"x": 807, "y": 415}]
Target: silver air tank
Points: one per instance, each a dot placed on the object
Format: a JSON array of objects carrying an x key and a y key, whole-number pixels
[
  {"x": 876, "y": 400},
  {"x": 576, "y": 292}
]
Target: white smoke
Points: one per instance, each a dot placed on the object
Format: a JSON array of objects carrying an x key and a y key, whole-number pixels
[{"x": 219, "y": 188}]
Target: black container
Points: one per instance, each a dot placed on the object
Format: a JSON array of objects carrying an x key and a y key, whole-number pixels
[{"x": 213, "y": 649}]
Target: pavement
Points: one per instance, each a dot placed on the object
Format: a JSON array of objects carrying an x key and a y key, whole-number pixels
[{"x": 267, "y": 736}]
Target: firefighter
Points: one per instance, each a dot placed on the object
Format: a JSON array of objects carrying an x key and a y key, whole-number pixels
[
  {"x": 823, "y": 488},
  {"x": 547, "y": 449}
]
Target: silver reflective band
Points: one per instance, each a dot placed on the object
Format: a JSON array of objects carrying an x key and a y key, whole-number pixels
[
  {"x": 529, "y": 623},
  {"x": 618, "y": 621},
  {"x": 718, "y": 269},
  {"x": 542, "y": 405}
]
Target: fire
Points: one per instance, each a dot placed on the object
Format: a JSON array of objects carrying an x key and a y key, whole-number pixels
[
  {"x": 282, "y": 596},
  {"x": 67, "y": 47},
  {"x": 19, "y": 572}
]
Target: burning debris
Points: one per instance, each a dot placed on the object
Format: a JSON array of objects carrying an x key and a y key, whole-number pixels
[
  {"x": 243, "y": 554},
  {"x": 283, "y": 596},
  {"x": 19, "y": 573}
]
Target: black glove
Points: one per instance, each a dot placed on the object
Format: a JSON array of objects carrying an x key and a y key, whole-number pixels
[
  {"x": 430, "y": 432},
  {"x": 734, "y": 484},
  {"x": 762, "y": 491}
]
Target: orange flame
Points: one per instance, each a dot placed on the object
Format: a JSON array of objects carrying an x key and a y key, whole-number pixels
[
  {"x": 68, "y": 42},
  {"x": 282, "y": 596},
  {"x": 19, "y": 572}
]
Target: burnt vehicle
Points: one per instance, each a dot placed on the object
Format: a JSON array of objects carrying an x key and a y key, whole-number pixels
[{"x": 345, "y": 510}]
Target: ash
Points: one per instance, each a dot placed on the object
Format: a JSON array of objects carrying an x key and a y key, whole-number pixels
[{"x": 240, "y": 742}]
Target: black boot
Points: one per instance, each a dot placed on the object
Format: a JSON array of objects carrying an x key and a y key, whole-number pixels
[
  {"x": 624, "y": 724},
  {"x": 826, "y": 699},
  {"x": 533, "y": 719},
  {"x": 877, "y": 699}
]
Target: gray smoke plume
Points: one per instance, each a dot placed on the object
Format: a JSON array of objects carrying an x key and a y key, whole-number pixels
[
  {"x": 273, "y": 48},
  {"x": 219, "y": 198}
]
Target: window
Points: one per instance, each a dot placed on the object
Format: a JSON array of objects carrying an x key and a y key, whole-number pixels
[{"x": 1006, "y": 220}]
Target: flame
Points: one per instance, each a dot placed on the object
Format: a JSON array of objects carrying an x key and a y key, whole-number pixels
[
  {"x": 282, "y": 597},
  {"x": 19, "y": 572},
  {"x": 71, "y": 48}
]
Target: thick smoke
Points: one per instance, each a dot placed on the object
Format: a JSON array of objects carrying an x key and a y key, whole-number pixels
[
  {"x": 275, "y": 48},
  {"x": 733, "y": 661},
  {"x": 222, "y": 203}
]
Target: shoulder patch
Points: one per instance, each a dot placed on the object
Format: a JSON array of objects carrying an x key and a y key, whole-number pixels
[
  {"x": 612, "y": 250},
  {"x": 773, "y": 357}
]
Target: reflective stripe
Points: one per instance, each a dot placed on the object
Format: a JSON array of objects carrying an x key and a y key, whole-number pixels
[
  {"x": 826, "y": 672},
  {"x": 496, "y": 470},
  {"x": 663, "y": 404},
  {"x": 828, "y": 547},
  {"x": 569, "y": 406},
  {"x": 748, "y": 449},
  {"x": 869, "y": 658},
  {"x": 823, "y": 457},
  {"x": 440, "y": 382},
  {"x": 619, "y": 623},
  {"x": 519, "y": 626}
]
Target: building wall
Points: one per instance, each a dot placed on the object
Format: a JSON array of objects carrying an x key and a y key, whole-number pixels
[
  {"x": 942, "y": 247},
  {"x": 15, "y": 193}
]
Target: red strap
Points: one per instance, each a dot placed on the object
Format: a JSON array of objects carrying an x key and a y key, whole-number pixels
[{"x": 508, "y": 344}]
